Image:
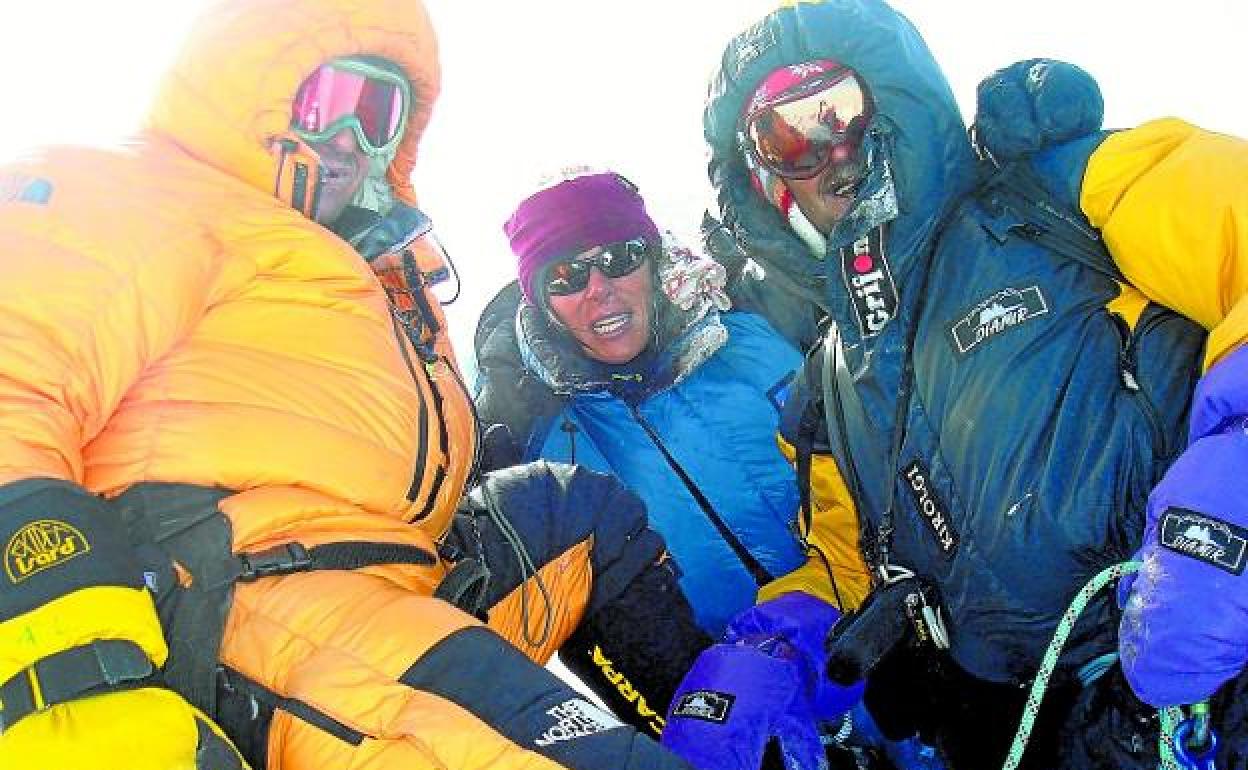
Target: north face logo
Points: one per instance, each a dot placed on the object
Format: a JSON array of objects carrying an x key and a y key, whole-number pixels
[
  {"x": 576, "y": 719},
  {"x": 1213, "y": 541}
]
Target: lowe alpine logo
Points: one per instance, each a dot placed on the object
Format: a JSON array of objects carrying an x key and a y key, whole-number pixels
[
  {"x": 576, "y": 718},
  {"x": 42, "y": 545},
  {"x": 1213, "y": 541},
  {"x": 930, "y": 507},
  {"x": 869, "y": 280},
  {"x": 707, "y": 705},
  {"x": 999, "y": 313}
]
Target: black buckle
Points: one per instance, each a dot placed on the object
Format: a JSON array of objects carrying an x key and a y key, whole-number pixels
[{"x": 279, "y": 560}]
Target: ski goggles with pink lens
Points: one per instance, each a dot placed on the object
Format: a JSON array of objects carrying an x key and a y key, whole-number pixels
[
  {"x": 349, "y": 93},
  {"x": 815, "y": 125}
]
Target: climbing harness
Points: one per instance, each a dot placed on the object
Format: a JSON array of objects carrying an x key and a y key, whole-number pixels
[{"x": 1185, "y": 743}]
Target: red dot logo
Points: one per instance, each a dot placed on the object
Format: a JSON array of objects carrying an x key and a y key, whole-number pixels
[{"x": 863, "y": 263}]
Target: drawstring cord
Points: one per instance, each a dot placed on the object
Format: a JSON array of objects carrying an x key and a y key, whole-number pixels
[{"x": 527, "y": 570}]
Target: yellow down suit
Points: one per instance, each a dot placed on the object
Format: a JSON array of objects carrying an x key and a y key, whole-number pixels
[{"x": 171, "y": 330}]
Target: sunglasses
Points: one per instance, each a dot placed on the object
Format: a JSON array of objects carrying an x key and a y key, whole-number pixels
[
  {"x": 615, "y": 261},
  {"x": 370, "y": 100},
  {"x": 817, "y": 125}
]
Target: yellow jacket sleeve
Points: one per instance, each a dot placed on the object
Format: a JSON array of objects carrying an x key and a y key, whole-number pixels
[
  {"x": 1171, "y": 201},
  {"x": 833, "y": 536}
]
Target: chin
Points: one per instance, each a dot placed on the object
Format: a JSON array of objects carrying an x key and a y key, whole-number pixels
[{"x": 619, "y": 355}]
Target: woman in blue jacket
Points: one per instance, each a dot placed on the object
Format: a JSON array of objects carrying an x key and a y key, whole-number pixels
[
  {"x": 633, "y": 365},
  {"x": 618, "y": 351}
]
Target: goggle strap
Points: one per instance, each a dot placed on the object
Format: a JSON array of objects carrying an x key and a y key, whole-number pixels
[{"x": 298, "y": 169}]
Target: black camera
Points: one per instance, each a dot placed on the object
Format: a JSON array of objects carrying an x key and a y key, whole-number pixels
[{"x": 905, "y": 610}]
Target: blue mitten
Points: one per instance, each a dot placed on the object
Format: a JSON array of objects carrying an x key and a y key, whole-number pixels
[
  {"x": 763, "y": 685},
  {"x": 1184, "y": 629}
]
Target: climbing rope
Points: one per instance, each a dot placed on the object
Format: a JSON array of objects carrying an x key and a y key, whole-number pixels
[{"x": 1173, "y": 723}]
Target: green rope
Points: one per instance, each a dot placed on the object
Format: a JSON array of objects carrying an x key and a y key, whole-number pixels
[{"x": 1170, "y": 717}]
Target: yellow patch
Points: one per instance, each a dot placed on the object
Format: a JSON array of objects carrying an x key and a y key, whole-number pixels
[{"x": 42, "y": 545}]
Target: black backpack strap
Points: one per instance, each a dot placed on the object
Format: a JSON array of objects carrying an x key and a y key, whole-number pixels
[
  {"x": 292, "y": 557},
  {"x": 465, "y": 586},
  {"x": 182, "y": 524},
  {"x": 1018, "y": 203},
  {"x": 100, "y": 666}
]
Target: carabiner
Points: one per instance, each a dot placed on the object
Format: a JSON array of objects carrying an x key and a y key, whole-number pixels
[{"x": 1199, "y": 758}]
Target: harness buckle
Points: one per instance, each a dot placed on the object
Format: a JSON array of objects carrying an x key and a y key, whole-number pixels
[{"x": 284, "y": 559}]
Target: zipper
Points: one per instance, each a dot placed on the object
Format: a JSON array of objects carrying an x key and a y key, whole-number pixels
[
  {"x": 760, "y": 573},
  {"x": 1128, "y": 375},
  {"x": 422, "y": 451}
]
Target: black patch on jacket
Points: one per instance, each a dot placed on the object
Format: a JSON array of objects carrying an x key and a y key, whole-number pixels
[
  {"x": 998, "y": 314},
  {"x": 869, "y": 280},
  {"x": 1204, "y": 538},
  {"x": 933, "y": 510},
  {"x": 707, "y": 705}
]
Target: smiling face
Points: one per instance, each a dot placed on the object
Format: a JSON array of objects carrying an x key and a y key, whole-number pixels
[
  {"x": 611, "y": 318},
  {"x": 821, "y": 199},
  {"x": 344, "y": 166},
  {"x": 826, "y": 197}
]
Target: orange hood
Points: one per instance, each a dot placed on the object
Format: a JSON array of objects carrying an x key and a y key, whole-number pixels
[{"x": 230, "y": 90}]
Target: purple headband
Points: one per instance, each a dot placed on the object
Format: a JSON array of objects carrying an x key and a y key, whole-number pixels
[{"x": 572, "y": 216}]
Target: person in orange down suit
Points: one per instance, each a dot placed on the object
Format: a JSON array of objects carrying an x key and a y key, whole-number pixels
[{"x": 233, "y": 441}]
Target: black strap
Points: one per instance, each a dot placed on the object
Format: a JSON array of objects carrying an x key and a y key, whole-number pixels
[
  {"x": 100, "y": 666},
  {"x": 1041, "y": 218},
  {"x": 844, "y": 416},
  {"x": 465, "y": 586},
  {"x": 760, "y": 573},
  {"x": 294, "y": 557},
  {"x": 184, "y": 522},
  {"x": 235, "y": 682},
  {"x": 804, "y": 449}
]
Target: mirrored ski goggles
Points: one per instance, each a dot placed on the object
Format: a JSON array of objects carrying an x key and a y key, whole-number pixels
[
  {"x": 816, "y": 125},
  {"x": 615, "y": 261},
  {"x": 370, "y": 100}
]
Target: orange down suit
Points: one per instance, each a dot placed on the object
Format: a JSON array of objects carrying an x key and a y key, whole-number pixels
[{"x": 166, "y": 318}]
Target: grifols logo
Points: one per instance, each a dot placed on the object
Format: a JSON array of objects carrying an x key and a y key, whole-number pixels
[
  {"x": 41, "y": 545},
  {"x": 869, "y": 280}
]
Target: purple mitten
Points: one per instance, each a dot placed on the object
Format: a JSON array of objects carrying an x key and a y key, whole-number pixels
[
  {"x": 804, "y": 622},
  {"x": 734, "y": 701},
  {"x": 1184, "y": 628}
]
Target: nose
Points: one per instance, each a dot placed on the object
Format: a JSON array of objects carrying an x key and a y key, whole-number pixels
[
  {"x": 344, "y": 141},
  {"x": 599, "y": 284}
]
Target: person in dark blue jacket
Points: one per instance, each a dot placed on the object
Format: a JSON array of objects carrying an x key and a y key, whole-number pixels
[{"x": 1015, "y": 324}]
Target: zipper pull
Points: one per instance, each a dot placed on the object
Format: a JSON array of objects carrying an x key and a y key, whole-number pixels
[
  {"x": 1126, "y": 356},
  {"x": 1128, "y": 380}
]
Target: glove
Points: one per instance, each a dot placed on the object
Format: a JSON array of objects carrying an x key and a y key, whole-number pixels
[
  {"x": 761, "y": 691},
  {"x": 1184, "y": 629},
  {"x": 80, "y": 644}
]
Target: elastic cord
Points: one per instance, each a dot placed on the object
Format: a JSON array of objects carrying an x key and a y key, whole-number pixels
[{"x": 527, "y": 570}]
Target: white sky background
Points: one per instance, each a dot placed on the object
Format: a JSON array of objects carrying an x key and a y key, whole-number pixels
[{"x": 532, "y": 86}]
